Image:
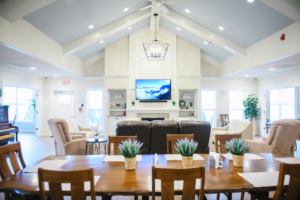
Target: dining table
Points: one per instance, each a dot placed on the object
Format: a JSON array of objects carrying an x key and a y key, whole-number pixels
[{"x": 115, "y": 180}]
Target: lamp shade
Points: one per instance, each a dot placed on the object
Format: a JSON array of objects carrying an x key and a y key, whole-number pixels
[{"x": 156, "y": 50}]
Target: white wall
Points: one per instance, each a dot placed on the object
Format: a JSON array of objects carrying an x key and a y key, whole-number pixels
[
  {"x": 267, "y": 50},
  {"x": 96, "y": 69},
  {"x": 80, "y": 85},
  {"x": 225, "y": 84},
  {"x": 209, "y": 70}
]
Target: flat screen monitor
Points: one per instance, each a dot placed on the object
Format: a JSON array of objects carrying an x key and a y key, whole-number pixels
[{"x": 153, "y": 89}]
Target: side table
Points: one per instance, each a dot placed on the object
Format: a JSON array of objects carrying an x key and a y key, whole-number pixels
[{"x": 90, "y": 144}]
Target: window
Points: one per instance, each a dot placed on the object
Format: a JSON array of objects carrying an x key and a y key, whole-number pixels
[
  {"x": 236, "y": 108},
  {"x": 20, "y": 100},
  {"x": 282, "y": 104},
  {"x": 208, "y": 106},
  {"x": 95, "y": 108}
]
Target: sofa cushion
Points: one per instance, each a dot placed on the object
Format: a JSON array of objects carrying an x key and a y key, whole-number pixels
[
  {"x": 141, "y": 129},
  {"x": 89, "y": 134},
  {"x": 73, "y": 125},
  {"x": 201, "y": 131},
  {"x": 159, "y": 132},
  {"x": 240, "y": 125}
]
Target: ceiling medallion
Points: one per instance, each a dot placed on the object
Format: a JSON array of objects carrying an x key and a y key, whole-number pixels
[{"x": 156, "y": 50}]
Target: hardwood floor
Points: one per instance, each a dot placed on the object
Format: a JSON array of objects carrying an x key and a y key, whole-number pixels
[{"x": 34, "y": 149}]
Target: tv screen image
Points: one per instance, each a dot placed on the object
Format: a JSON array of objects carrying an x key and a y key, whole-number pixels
[{"x": 153, "y": 89}]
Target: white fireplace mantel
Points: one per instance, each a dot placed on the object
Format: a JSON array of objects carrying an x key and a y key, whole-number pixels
[{"x": 133, "y": 112}]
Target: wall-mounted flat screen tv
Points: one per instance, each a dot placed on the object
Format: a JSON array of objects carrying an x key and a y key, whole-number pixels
[{"x": 153, "y": 89}]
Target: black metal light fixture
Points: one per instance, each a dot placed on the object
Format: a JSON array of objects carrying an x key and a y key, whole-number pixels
[{"x": 156, "y": 50}]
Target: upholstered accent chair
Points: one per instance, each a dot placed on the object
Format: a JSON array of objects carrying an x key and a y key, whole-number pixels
[
  {"x": 76, "y": 129},
  {"x": 236, "y": 126},
  {"x": 282, "y": 138},
  {"x": 65, "y": 143}
]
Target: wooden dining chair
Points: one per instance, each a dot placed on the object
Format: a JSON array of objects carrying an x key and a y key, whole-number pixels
[
  {"x": 169, "y": 175},
  {"x": 76, "y": 178},
  {"x": 292, "y": 193},
  {"x": 172, "y": 139},
  {"x": 220, "y": 140},
  {"x": 116, "y": 140},
  {"x": 14, "y": 151}
]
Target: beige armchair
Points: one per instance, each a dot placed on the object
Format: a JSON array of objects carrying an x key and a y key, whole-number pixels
[
  {"x": 282, "y": 138},
  {"x": 237, "y": 127},
  {"x": 76, "y": 129},
  {"x": 65, "y": 143}
]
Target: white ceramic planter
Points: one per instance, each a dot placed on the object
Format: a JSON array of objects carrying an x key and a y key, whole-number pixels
[{"x": 96, "y": 137}]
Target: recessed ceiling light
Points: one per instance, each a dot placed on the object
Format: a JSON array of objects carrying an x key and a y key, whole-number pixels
[
  {"x": 221, "y": 28},
  {"x": 178, "y": 28},
  {"x": 187, "y": 10},
  {"x": 129, "y": 28},
  {"x": 246, "y": 75},
  {"x": 271, "y": 69},
  {"x": 91, "y": 26},
  {"x": 54, "y": 74},
  {"x": 205, "y": 42},
  {"x": 101, "y": 41},
  {"x": 250, "y": 1},
  {"x": 33, "y": 68},
  {"x": 126, "y": 9}
]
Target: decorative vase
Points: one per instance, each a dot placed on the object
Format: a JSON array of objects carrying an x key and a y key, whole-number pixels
[
  {"x": 133, "y": 106},
  {"x": 130, "y": 163},
  {"x": 96, "y": 137},
  {"x": 187, "y": 161},
  {"x": 238, "y": 160},
  {"x": 173, "y": 106}
]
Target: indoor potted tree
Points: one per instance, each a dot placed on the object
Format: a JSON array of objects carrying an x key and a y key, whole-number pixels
[
  {"x": 173, "y": 102},
  {"x": 238, "y": 148},
  {"x": 186, "y": 148},
  {"x": 133, "y": 103},
  {"x": 251, "y": 109},
  {"x": 130, "y": 150}
]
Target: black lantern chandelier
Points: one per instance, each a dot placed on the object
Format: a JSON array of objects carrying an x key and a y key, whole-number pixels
[{"x": 156, "y": 50}]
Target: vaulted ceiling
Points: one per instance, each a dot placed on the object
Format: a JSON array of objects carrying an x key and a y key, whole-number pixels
[{"x": 244, "y": 23}]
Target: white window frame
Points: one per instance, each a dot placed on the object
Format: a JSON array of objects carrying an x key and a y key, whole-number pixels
[
  {"x": 280, "y": 104},
  {"x": 17, "y": 104},
  {"x": 215, "y": 110},
  {"x": 236, "y": 89},
  {"x": 87, "y": 106}
]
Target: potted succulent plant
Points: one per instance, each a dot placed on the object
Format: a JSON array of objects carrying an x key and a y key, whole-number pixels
[
  {"x": 191, "y": 105},
  {"x": 238, "y": 148},
  {"x": 186, "y": 148},
  {"x": 173, "y": 102},
  {"x": 118, "y": 105},
  {"x": 133, "y": 103},
  {"x": 130, "y": 150}
]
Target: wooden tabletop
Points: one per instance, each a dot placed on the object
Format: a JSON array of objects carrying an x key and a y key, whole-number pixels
[{"x": 115, "y": 180}]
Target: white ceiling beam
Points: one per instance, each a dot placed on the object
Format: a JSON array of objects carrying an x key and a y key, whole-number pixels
[
  {"x": 211, "y": 60},
  {"x": 93, "y": 59},
  {"x": 205, "y": 33},
  {"x": 289, "y": 8},
  {"x": 105, "y": 31},
  {"x": 12, "y": 10},
  {"x": 154, "y": 9}
]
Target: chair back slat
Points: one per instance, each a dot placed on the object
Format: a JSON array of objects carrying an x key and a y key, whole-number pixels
[
  {"x": 76, "y": 178},
  {"x": 116, "y": 140},
  {"x": 77, "y": 191},
  {"x": 222, "y": 138},
  {"x": 13, "y": 150},
  {"x": 172, "y": 139},
  {"x": 55, "y": 191},
  {"x": 14, "y": 161},
  {"x": 169, "y": 175},
  {"x": 293, "y": 192}
]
